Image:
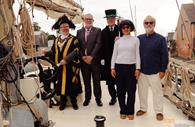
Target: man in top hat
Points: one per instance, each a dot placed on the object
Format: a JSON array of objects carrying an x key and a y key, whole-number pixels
[
  {"x": 109, "y": 33},
  {"x": 65, "y": 50},
  {"x": 90, "y": 38}
]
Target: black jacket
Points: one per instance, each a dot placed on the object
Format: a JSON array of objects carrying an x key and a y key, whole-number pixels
[{"x": 108, "y": 38}]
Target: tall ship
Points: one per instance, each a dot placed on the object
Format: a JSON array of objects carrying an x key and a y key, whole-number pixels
[{"x": 27, "y": 101}]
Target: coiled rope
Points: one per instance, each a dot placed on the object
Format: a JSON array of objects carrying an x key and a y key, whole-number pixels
[
  {"x": 5, "y": 20},
  {"x": 27, "y": 32}
]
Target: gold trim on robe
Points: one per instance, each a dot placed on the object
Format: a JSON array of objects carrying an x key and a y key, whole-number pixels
[{"x": 63, "y": 87}]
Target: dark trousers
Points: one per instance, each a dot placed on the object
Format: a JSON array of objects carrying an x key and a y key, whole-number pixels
[
  {"x": 112, "y": 91},
  {"x": 110, "y": 81},
  {"x": 63, "y": 99},
  {"x": 93, "y": 70},
  {"x": 126, "y": 85}
]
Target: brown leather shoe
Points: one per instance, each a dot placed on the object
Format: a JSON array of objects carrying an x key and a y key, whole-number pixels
[
  {"x": 130, "y": 117},
  {"x": 122, "y": 116},
  {"x": 159, "y": 116},
  {"x": 140, "y": 113}
]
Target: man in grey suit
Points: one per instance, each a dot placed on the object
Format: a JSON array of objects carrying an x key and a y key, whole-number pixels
[{"x": 90, "y": 39}]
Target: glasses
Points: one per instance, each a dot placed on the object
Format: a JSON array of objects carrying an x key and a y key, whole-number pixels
[
  {"x": 146, "y": 23},
  {"x": 124, "y": 27},
  {"x": 88, "y": 19}
]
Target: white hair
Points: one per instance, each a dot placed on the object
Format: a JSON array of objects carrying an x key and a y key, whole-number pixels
[
  {"x": 88, "y": 15},
  {"x": 151, "y": 18}
]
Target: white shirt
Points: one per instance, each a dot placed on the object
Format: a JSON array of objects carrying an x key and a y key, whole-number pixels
[
  {"x": 126, "y": 51},
  {"x": 60, "y": 44},
  {"x": 64, "y": 36},
  {"x": 111, "y": 28}
]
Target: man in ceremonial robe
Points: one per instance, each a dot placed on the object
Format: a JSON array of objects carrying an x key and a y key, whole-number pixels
[{"x": 65, "y": 53}]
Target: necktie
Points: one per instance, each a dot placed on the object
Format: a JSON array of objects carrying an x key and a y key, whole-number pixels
[
  {"x": 111, "y": 29},
  {"x": 86, "y": 35}
]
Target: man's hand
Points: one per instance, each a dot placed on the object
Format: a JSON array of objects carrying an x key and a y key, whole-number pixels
[
  {"x": 84, "y": 58},
  {"x": 87, "y": 59},
  {"x": 63, "y": 62},
  {"x": 113, "y": 73},
  {"x": 161, "y": 75}
]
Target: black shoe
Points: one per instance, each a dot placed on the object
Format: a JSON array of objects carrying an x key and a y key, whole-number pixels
[
  {"x": 99, "y": 103},
  {"x": 86, "y": 102},
  {"x": 62, "y": 107},
  {"x": 75, "y": 106},
  {"x": 112, "y": 102}
]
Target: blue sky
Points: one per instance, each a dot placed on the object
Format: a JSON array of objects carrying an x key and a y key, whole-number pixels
[{"x": 165, "y": 12}]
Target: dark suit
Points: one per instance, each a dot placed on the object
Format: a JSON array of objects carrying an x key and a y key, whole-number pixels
[
  {"x": 91, "y": 48},
  {"x": 108, "y": 38}
]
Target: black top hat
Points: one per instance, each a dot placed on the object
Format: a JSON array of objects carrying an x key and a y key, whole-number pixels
[
  {"x": 61, "y": 20},
  {"x": 110, "y": 13}
]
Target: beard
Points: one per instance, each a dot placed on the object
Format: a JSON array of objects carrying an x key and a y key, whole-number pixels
[{"x": 149, "y": 30}]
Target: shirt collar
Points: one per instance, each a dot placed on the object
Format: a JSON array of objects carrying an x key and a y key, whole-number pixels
[
  {"x": 112, "y": 27},
  {"x": 89, "y": 29}
]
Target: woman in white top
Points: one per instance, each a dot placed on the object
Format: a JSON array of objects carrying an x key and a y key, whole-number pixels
[{"x": 125, "y": 66}]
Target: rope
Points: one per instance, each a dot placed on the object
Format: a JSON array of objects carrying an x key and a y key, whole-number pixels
[
  {"x": 27, "y": 32},
  {"x": 186, "y": 88},
  {"x": 17, "y": 45},
  {"x": 4, "y": 17},
  {"x": 47, "y": 8},
  {"x": 168, "y": 77}
]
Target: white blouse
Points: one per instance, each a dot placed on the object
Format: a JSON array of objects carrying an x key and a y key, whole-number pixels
[{"x": 126, "y": 51}]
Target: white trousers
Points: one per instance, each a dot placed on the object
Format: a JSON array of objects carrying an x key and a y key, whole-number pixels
[{"x": 154, "y": 82}]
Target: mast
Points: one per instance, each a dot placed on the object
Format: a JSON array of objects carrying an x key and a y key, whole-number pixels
[
  {"x": 131, "y": 10},
  {"x": 135, "y": 21},
  {"x": 132, "y": 17}
]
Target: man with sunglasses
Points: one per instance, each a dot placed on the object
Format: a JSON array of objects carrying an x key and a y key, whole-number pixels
[{"x": 154, "y": 60}]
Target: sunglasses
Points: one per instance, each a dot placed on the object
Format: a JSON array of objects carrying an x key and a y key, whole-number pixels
[
  {"x": 124, "y": 27},
  {"x": 146, "y": 23}
]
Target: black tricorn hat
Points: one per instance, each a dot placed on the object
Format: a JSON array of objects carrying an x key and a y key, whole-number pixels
[
  {"x": 61, "y": 20},
  {"x": 110, "y": 13}
]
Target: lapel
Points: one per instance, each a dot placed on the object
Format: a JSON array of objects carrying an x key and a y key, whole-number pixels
[
  {"x": 108, "y": 32},
  {"x": 90, "y": 34},
  {"x": 83, "y": 34}
]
